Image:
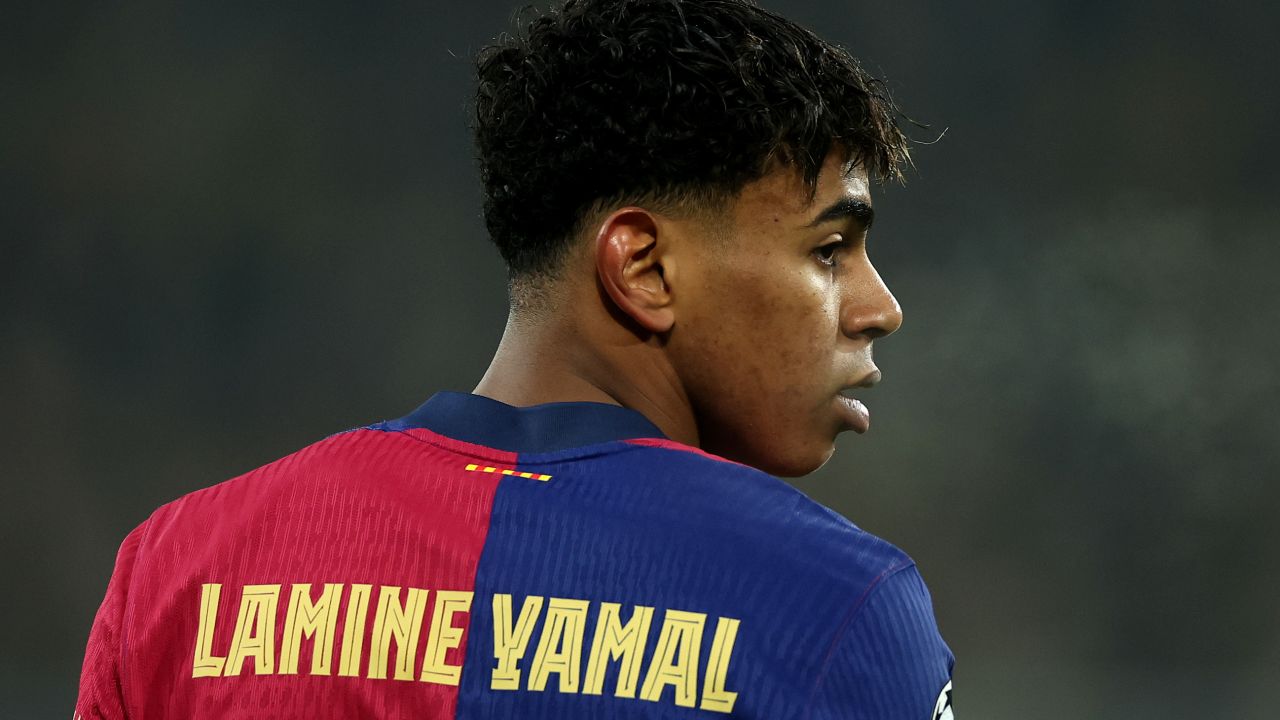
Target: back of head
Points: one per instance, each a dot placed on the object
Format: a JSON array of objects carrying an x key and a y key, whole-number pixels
[{"x": 670, "y": 103}]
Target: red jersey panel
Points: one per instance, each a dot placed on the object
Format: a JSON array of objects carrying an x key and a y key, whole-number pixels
[{"x": 317, "y": 570}]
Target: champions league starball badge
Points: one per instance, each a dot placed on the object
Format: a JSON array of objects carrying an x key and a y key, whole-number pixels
[{"x": 942, "y": 710}]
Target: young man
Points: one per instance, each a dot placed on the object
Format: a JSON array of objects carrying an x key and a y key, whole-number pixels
[{"x": 680, "y": 189}]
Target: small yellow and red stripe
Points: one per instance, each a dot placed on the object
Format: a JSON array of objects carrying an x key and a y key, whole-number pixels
[{"x": 507, "y": 471}]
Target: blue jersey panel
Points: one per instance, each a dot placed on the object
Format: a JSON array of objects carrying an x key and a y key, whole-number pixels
[
  {"x": 645, "y": 582},
  {"x": 891, "y": 663}
]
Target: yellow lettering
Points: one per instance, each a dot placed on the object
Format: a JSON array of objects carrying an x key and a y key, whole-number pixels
[
  {"x": 255, "y": 634},
  {"x": 510, "y": 643},
  {"x": 675, "y": 660},
  {"x": 560, "y": 647},
  {"x": 403, "y": 623},
  {"x": 444, "y": 637},
  {"x": 206, "y": 664},
  {"x": 306, "y": 618},
  {"x": 353, "y": 630},
  {"x": 714, "y": 696},
  {"x": 615, "y": 641}
]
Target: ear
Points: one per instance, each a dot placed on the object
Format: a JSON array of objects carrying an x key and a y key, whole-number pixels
[{"x": 629, "y": 256}]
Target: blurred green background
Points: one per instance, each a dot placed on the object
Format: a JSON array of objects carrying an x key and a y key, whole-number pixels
[{"x": 231, "y": 228}]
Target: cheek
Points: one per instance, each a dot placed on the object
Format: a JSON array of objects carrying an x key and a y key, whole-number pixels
[
  {"x": 792, "y": 319},
  {"x": 756, "y": 355},
  {"x": 770, "y": 330}
]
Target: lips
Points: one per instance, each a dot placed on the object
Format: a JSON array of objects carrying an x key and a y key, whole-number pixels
[{"x": 856, "y": 415}]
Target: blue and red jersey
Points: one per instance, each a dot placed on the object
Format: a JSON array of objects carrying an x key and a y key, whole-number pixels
[{"x": 477, "y": 560}]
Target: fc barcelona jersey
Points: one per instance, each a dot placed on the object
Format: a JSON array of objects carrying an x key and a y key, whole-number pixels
[{"x": 477, "y": 560}]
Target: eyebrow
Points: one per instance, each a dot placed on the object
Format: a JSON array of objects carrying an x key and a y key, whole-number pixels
[{"x": 847, "y": 207}]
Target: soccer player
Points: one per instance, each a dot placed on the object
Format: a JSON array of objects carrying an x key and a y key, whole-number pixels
[{"x": 681, "y": 192}]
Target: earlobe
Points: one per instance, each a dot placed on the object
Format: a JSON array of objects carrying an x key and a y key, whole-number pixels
[{"x": 628, "y": 254}]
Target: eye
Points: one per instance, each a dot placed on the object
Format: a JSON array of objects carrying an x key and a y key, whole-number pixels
[{"x": 826, "y": 254}]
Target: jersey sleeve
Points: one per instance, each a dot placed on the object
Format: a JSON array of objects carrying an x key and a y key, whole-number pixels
[
  {"x": 101, "y": 681},
  {"x": 890, "y": 663}
]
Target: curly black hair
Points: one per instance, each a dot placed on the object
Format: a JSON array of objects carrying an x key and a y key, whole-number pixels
[{"x": 601, "y": 101}]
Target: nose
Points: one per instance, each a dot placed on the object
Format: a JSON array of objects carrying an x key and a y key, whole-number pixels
[{"x": 870, "y": 310}]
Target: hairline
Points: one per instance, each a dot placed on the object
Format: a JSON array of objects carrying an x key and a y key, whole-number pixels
[{"x": 531, "y": 292}]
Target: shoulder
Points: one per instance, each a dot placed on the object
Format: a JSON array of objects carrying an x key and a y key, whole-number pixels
[
  {"x": 816, "y": 579},
  {"x": 888, "y": 659},
  {"x": 321, "y": 469},
  {"x": 769, "y": 516}
]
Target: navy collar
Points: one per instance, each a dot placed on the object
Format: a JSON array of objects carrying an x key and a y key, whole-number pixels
[{"x": 537, "y": 429}]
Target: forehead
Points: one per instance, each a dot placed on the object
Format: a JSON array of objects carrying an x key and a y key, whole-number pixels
[{"x": 781, "y": 195}]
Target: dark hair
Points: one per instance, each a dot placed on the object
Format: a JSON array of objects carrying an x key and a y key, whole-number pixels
[{"x": 666, "y": 100}]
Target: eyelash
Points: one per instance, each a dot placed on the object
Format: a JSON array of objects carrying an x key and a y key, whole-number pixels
[{"x": 834, "y": 247}]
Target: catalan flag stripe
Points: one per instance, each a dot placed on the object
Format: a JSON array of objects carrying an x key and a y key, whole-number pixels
[{"x": 507, "y": 471}]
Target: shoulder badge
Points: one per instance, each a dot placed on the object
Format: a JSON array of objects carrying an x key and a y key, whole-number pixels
[{"x": 942, "y": 710}]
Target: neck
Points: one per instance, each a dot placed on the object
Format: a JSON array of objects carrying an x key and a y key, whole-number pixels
[{"x": 555, "y": 360}]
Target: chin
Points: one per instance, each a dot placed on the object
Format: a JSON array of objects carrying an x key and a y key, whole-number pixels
[
  {"x": 798, "y": 467},
  {"x": 798, "y": 462},
  {"x": 778, "y": 441}
]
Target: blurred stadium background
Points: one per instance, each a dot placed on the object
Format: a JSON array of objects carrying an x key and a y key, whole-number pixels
[{"x": 231, "y": 228}]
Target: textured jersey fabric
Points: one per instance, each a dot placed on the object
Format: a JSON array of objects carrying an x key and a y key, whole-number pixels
[{"x": 476, "y": 560}]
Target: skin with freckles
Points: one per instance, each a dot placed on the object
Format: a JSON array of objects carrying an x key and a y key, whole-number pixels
[{"x": 734, "y": 329}]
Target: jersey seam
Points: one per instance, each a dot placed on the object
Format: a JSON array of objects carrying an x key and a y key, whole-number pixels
[
  {"x": 552, "y": 457},
  {"x": 126, "y": 617},
  {"x": 440, "y": 446},
  {"x": 846, "y": 624},
  {"x": 484, "y": 547},
  {"x": 524, "y": 459}
]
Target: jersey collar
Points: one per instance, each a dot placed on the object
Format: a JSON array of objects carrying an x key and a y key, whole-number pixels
[{"x": 536, "y": 429}]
